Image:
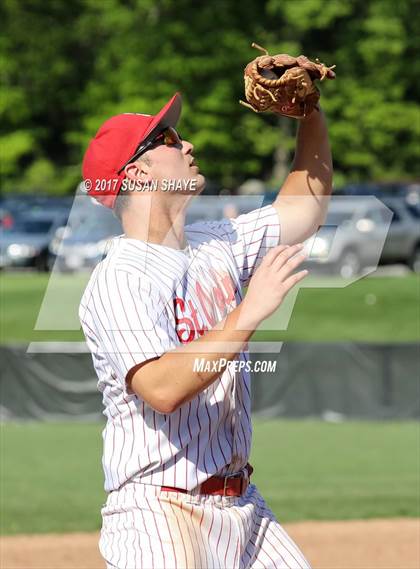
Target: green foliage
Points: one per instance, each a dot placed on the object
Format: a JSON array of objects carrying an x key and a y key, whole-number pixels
[
  {"x": 350, "y": 470},
  {"x": 67, "y": 66}
]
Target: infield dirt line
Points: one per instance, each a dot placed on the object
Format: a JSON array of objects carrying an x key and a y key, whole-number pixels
[{"x": 355, "y": 544}]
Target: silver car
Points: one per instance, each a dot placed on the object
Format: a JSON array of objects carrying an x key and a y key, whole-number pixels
[
  {"x": 402, "y": 244},
  {"x": 352, "y": 238},
  {"x": 26, "y": 242}
]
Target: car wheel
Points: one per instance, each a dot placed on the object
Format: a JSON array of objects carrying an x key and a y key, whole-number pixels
[
  {"x": 41, "y": 263},
  {"x": 349, "y": 265},
  {"x": 415, "y": 260}
]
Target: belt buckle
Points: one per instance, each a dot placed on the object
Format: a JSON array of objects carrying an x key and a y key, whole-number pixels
[
  {"x": 226, "y": 481},
  {"x": 225, "y": 484},
  {"x": 244, "y": 480}
]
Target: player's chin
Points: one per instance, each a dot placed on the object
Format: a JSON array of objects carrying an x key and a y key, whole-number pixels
[
  {"x": 201, "y": 183},
  {"x": 196, "y": 184}
]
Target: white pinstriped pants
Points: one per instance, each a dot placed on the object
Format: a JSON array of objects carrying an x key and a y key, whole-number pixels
[{"x": 146, "y": 528}]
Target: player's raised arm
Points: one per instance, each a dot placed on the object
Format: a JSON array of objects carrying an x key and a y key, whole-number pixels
[
  {"x": 285, "y": 86},
  {"x": 303, "y": 199}
]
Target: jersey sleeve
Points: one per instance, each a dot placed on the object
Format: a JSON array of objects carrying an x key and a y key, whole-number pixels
[
  {"x": 129, "y": 321},
  {"x": 251, "y": 236}
]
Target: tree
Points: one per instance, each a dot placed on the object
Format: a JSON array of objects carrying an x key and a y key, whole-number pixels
[{"x": 66, "y": 67}]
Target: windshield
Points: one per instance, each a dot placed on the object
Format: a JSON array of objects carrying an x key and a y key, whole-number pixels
[
  {"x": 95, "y": 228},
  {"x": 338, "y": 217},
  {"x": 414, "y": 210},
  {"x": 32, "y": 226}
]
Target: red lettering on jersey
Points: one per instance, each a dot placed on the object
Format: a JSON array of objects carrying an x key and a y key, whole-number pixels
[
  {"x": 206, "y": 302},
  {"x": 220, "y": 299},
  {"x": 200, "y": 329},
  {"x": 229, "y": 288},
  {"x": 186, "y": 334},
  {"x": 223, "y": 291},
  {"x": 214, "y": 306}
]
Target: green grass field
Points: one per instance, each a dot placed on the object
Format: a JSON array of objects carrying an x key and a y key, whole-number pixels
[
  {"x": 379, "y": 309},
  {"x": 51, "y": 478}
]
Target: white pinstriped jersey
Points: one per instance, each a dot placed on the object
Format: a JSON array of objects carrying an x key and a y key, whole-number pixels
[{"x": 144, "y": 299}]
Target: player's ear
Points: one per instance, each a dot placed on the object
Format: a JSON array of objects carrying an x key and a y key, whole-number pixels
[{"x": 138, "y": 171}]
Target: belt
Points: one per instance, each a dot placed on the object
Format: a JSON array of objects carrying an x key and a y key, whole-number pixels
[{"x": 230, "y": 485}]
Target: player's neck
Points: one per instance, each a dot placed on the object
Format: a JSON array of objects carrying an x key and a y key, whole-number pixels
[{"x": 156, "y": 223}]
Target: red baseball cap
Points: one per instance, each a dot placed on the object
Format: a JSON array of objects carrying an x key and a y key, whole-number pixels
[{"x": 115, "y": 142}]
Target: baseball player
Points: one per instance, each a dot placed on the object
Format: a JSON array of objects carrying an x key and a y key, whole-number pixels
[{"x": 166, "y": 296}]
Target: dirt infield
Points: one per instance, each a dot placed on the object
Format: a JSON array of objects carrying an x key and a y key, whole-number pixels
[{"x": 373, "y": 544}]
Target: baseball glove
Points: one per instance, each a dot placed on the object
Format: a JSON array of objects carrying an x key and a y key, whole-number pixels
[{"x": 283, "y": 84}]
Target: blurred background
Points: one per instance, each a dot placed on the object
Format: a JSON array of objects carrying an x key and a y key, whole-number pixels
[{"x": 337, "y": 429}]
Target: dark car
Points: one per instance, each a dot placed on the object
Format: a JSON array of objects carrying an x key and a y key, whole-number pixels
[
  {"x": 26, "y": 242},
  {"x": 83, "y": 242},
  {"x": 362, "y": 232},
  {"x": 402, "y": 244},
  {"x": 351, "y": 238}
]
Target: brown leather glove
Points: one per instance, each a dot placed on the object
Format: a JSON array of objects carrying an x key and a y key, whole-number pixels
[{"x": 283, "y": 84}]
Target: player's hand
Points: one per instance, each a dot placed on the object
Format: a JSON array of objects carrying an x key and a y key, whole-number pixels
[{"x": 271, "y": 282}]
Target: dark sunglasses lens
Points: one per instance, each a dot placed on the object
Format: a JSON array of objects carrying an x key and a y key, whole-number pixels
[{"x": 171, "y": 136}]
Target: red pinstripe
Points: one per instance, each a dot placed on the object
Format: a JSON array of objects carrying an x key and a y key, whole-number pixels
[
  {"x": 209, "y": 539},
  {"x": 180, "y": 532},
  {"x": 112, "y": 542},
  {"x": 264, "y": 549},
  {"x": 158, "y": 532},
  {"x": 228, "y": 543},
  {"x": 196, "y": 535},
  {"x": 263, "y": 508},
  {"x": 211, "y": 525},
  {"x": 238, "y": 546},
  {"x": 218, "y": 540},
  {"x": 205, "y": 546},
  {"x": 189, "y": 534},
  {"x": 148, "y": 536},
  {"x": 292, "y": 544},
  {"x": 260, "y": 549},
  {"x": 113, "y": 437},
  {"x": 133, "y": 434},
  {"x": 127, "y": 529},
  {"x": 254, "y": 555},
  {"x": 282, "y": 543},
  {"x": 134, "y": 540}
]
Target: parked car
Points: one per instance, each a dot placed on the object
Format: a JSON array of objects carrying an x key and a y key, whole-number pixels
[
  {"x": 214, "y": 208},
  {"x": 26, "y": 242},
  {"x": 82, "y": 243},
  {"x": 402, "y": 244},
  {"x": 408, "y": 191},
  {"x": 364, "y": 232},
  {"x": 351, "y": 238},
  {"x": 6, "y": 219},
  {"x": 22, "y": 204}
]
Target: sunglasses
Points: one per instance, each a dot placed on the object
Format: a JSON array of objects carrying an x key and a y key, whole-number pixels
[{"x": 169, "y": 136}]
